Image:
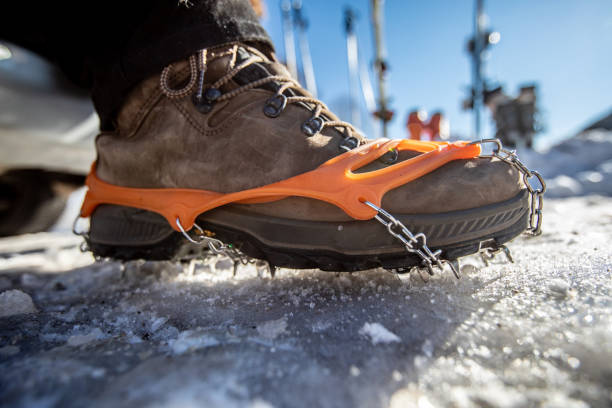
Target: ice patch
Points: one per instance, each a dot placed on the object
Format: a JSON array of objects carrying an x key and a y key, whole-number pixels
[
  {"x": 190, "y": 340},
  {"x": 82, "y": 339},
  {"x": 410, "y": 397},
  {"x": 427, "y": 348},
  {"x": 321, "y": 326},
  {"x": 5, "y": 283},
  {"x": 156, "y": 323},
  {"x": 8, "y": 351},
  {"x": 15, "y": 302},
  {"x": 378, "y": 333},
  {"x": 559, "y": 288},
  {"x": 273, "y": 328},
  {"x": 534, "y": 333}
]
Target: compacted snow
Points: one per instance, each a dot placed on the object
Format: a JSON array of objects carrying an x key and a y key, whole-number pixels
[
  {"x": 537, "y": 332},
  {"x": 578, "y": 166}
]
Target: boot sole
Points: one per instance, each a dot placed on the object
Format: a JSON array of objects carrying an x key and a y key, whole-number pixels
[{"x": 127, "y": 233}]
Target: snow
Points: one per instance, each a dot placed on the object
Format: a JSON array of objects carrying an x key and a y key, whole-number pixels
[
  {"x": 9, "y": 350},
  {"x": 15, "y": 302},
  {"x": 156, "y": 334},
  {"x": 579, "y": 166},
  {"x": 378, "y": 333},
  {"x": 81, "y": 339},
  {"x": 191, "y": 340},
  {"x": 273, "y": 328},
  {"x": 537, "y": 332}
]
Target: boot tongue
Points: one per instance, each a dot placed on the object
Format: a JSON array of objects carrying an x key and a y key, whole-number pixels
[
  {"x": 219, "y": 66},
  {"x": 259, "y": 70}
]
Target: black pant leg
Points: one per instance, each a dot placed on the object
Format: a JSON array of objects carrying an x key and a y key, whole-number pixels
[{"x": 109, "y": 46}]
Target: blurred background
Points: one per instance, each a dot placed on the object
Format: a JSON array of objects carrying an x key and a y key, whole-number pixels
[
  {"x": 563, "y": 47},
  {"x": 534, "y": 74}
]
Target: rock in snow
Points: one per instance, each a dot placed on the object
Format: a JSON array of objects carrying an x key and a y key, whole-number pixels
[
  {"x": 15, "y": 302},
  {"x": 378, "y": 333}
]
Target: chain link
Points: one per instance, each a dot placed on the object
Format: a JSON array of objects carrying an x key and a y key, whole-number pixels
[
  {"x": 215, "y": 245},
  {"x": 536, "y": 194},
  {"x": 416, "y": 244}
]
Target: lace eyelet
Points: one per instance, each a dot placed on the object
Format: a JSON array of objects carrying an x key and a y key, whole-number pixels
[
  {"x": 390, "y": 157},
  {"x": 312, "y": 126},
  {"x": 204, "y": 103},
  {"x": 275, "y": 105},
  {"x": 212, "y": 94},
  {"x": 349, "y": 143},
  {"x": 201, "y": 104}
]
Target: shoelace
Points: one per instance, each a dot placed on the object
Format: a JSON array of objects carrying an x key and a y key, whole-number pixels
[{"x": 205, "y": 96}]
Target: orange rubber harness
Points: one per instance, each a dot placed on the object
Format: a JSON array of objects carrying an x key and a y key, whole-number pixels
[{"x": 333, "y": 182}]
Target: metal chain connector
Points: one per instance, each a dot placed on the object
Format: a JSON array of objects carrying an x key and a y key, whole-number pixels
[
  {"x": 215, "y": 245},
  {"x": 414, "y": 243},
  {"x": 488, "y": 253},
  {"x": 536, "y": 194}
]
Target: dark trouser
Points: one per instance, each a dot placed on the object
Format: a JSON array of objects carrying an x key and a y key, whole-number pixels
[{"x": 109, "y": 46}]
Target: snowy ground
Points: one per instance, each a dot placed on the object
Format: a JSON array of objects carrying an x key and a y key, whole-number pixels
[
  {"x": 578, "y": 166},
  {"x": 536, "y": 332}
]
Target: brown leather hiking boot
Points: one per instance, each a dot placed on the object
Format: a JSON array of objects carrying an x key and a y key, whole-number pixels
[{"x": 231, "y": 119}]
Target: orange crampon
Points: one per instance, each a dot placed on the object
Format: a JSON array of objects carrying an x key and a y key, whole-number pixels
[{"x": 334, "y": 182}]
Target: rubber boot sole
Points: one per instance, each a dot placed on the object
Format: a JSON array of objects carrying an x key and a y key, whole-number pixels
[{"x": 127, "y": 233}]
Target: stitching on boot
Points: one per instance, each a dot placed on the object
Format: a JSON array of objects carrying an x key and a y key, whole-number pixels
[
  {"x": 227, "y": 123},
  {"x": 142, "y": 114},
  {"x": 198, "y": 127},
  {"x": 188, "y": 117},
  {"x": 138, "y": 119}
]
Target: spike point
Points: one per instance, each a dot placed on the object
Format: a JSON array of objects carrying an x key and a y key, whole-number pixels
[
  {"x": 424, "y": 278},
  {"x": 508, "y": 253},
  {"x": 483, "y": 256},
  {"x": 272, "y": 269},
  {"x": 454, "y": 265}
]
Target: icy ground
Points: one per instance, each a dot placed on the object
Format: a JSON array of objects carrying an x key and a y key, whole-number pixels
[
  {"x": 537, "y": 332},
  {"x": 578, "y": 166}
]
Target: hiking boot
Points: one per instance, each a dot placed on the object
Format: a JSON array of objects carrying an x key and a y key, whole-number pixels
[{"x": 231, "y": 119}]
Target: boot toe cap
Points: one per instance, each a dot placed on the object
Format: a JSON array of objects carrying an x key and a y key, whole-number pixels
[{"x": 458, "y": 185}]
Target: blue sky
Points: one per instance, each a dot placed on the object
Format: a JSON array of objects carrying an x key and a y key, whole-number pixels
[{"x": 565, "y": 46}]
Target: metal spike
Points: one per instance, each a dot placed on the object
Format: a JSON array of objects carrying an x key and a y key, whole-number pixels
[
  {"x": 271, "y": 269},
  {"x": 508, "y": 253},
  {"x": 483, "y": 256},
  {"x": 454, "y": 265},
  {"x": 429, "y": 269},
  {"x": 191, "y": 267},
  {"x": 396, "y": 277},
  {"x": 424, "y": 278},
  {"x": 84, "y": 247}
]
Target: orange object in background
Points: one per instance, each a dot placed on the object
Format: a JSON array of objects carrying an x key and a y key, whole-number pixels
[
  {"x": 436, "y": 129},
  {"x": 258, "y": 7}
]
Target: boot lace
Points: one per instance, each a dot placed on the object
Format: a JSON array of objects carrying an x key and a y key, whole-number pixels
[{"x": 205, "y": 95}]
